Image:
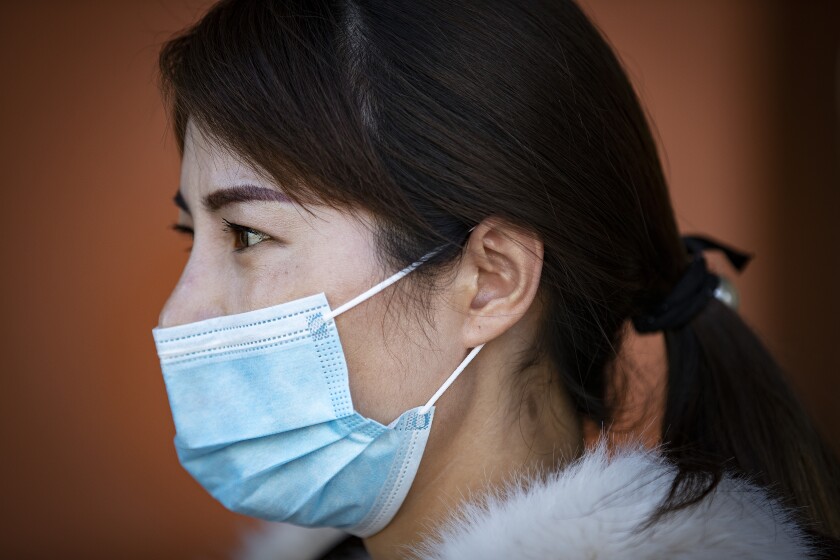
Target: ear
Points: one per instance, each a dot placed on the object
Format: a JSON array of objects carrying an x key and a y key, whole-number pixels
[{"x": 499, "y": 277}]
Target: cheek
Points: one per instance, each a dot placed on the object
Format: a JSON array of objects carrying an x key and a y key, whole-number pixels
[
  {"x": 396, "y": 361},
  {"x": 374, "y": 374},
  {"x": 271, "y": 283},
  {"x": 276, "y": 276}
]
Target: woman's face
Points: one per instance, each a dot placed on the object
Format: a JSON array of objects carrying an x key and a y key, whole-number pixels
[{"x": 254, "y": 248}]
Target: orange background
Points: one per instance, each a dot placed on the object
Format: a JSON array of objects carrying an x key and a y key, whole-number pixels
[{"x": 745, "y": 100}]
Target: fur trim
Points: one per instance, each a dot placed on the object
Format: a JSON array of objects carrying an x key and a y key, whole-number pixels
[{"x": 596, "y": 509}]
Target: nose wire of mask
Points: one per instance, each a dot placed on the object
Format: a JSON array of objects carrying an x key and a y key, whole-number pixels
[{"x": 265, "y": 421}]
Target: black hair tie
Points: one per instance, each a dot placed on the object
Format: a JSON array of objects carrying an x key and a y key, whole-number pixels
[{"x": 693, "y": 291}]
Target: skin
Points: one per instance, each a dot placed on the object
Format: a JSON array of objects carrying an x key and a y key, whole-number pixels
[{"x": 494, "y": 422}]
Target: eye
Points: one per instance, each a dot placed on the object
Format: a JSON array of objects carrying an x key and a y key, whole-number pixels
[
  {"x": 184, "y": 230},
  {"x": 244, "y": 237}
]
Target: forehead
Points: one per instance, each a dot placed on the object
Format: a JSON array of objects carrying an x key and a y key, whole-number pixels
[{"x": 207, "y": 165}]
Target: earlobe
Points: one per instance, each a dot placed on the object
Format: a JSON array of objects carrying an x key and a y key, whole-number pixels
[{"x": 502, "y": 267}]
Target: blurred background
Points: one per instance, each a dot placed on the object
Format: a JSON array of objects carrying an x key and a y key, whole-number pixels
[{"x": 744, "y": 100}]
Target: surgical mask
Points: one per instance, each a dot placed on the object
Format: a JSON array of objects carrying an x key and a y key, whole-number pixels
[{"x": 265, "y": 422}]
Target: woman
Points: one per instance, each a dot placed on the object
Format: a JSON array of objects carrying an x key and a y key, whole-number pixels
[{"x": 471, "y": 198}]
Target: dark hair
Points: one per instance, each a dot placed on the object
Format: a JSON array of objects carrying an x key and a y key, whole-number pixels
[{"x": 435, "y": 115}]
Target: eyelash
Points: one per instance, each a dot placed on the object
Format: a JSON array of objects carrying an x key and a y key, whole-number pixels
[
  {"x": 239, "y": 231},
  {"x": 230, "y": 227}
]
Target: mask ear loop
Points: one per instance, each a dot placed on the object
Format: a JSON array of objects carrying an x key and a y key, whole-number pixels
[
  {"x": 451, "y": 379},
  {"x": 332, "y": 314},
  {"x": 376, "y": 289}
]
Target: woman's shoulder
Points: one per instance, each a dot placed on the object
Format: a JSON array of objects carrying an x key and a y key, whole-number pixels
[{"x": 596, "y": 508}]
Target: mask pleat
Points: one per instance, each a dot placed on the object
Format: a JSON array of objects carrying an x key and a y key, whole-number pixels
[
  {"x": 260, "y": 491},
  {"x": 366, "y": 471},
  {"x": 374, "y": 476},
  {"x": 248, "y": 459},
  {"x": 208, "y": 402}
]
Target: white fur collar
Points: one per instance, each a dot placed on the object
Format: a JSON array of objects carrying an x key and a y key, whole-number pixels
[{"x": 593, "y": 510}]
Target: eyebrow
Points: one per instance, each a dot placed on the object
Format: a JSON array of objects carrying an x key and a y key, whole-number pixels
[{"x": 242, "y": 193}]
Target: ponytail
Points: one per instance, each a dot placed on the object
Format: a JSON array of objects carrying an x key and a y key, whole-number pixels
[{"x": 728, "y": 408}]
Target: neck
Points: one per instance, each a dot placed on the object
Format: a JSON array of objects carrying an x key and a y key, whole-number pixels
[{"x": 486, "y": 432}]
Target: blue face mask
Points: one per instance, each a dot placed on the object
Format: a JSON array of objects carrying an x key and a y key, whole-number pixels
[{"x": 265, "y": 423}]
